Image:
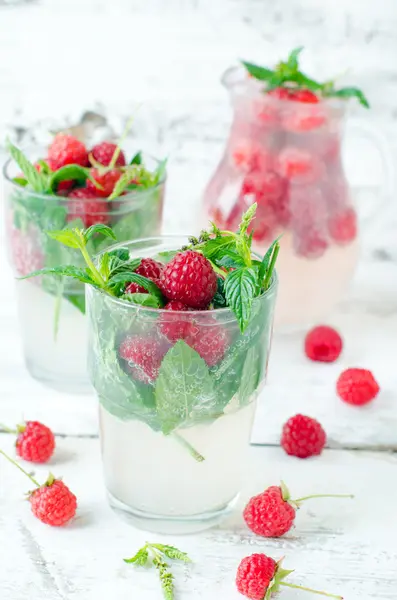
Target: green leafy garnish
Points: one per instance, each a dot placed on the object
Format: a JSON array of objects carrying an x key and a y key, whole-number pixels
[
  {"x": 287, "y": 74},
  {"x": 37, "y": 181},
  {"x": 153, "y": 555}
]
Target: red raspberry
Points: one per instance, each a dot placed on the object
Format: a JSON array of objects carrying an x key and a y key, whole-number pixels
[
  {"x": 357, "y": 386},
  {"x": 26, "y": 253},
  {"x": 66, "y": 150},
  {"x": 297, "y": 164},
  {"x": 343, "y": 227},
  {"x": 210, "y": 341},
  {"x": 35, "y": 442},
  {"x": 280, "y": 93},
  {"x": 269, "y": 514},
  {"x": 103, "y": 153},
  {"x": 149, "y": 268},
  {"x": 65, "y": 186},
  {"x": 53, "y": 503},
  {"x": 305, "y": 96},
  {"x": 107, "y": 180},
  {"x": 266, "y": 185},
  {"x": 323, "y": 344},
  {"x": 189, "y": 278},
  {"x": 84, "y": 204},
  {"x": 254, "y": 576},
  {"x": 173, "y": 326},
  {"x": 249, "y": 156},
  {"x": 144, "y": 356},
  {"x": 303, "y": 437}
]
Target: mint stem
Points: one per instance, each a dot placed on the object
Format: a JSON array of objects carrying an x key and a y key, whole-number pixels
[
  {"x": 306, "y": 589},
  {"x": 298, "y": 500},
  {"x": 57, "y": 307},
  {"x": 271, "y": 266},
  {"x": 13, "y": 462},
  {"x": 92, "y": 267},
  {"x": 120, "y": 142},
  {"x": 196, "y": 455},
  {"x": 5, "y": 429}
]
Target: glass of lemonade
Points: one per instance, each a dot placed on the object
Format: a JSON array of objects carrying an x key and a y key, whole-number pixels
[
  {"x": 177, "y": 393},
  {"x": 52, "y": 310}
]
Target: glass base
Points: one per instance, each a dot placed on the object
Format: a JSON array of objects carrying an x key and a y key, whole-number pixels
[
  {"x": 178, "y": 525},
  {"x": 64, "y": 384}
]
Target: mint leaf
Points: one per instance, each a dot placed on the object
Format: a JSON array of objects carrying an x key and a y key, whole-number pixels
[
  {"x": 264, "y": 266},
  {"x": 72, "y": 238},
  {"x": 20, "y": 181},
  {"x": 240, "y": 290},
  {"x": 166, "y": 578},
  {"x": 350, "y": 92},
  {"x": 230, "y": 259},
  {"x": 99, "y": 228},
  {"x": 142, "y": 300},
  {"x": 251, "y": 374},
  {"x": 213, "y": 247},
  {"x": 136, "y": 159},
  {"x": 67, "y": 270},
  {"x": 184, "y": 388},
  {"x": 130, "y": 277},
  {"x": 293, "y": 62},
  {"x": 75, "y": 172},
  {"x": 36, "y": 180},
  {"x": 78, "y": 300},
  {"x": 121, "y": 253},
  {"x": 160, "y": 172},
  {"x": 122, "y": 183},
  {"x": 140, "y": 558},
  {"x": 172, "y": 552},
  {"x": 247, "y": 218},
  {"x": 219, "y": 300},
  {"x": 258, "y": 72}
]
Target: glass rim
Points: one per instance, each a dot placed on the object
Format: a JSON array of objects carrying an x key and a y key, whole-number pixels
[
  {"x": 235, "y": 76},
  {"x": 194, "y": 312},
  {"x": 52, "y": 197}
]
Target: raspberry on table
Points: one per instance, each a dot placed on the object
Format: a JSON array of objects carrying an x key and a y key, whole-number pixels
[
  {"x": 189, "y": 278},
  {"x": 303, "y": 437},
  {"x": 103, "y": 153},
  {"x": 323, "y": 344},
  {"x": 106, "y": 180},
  {"x": 35, "y": 442},
  {"x": 53, "y": 503},
  {"x": 357, "y": 386},
  {"x": 254, "y": 575},
  {"x": 268, "y": 514},
  {"x": 65, "y": 150},
  {"x": 84, "y": 204},
  {"x": 149, "y": 268},
  {"x": 143, "y": 355}
]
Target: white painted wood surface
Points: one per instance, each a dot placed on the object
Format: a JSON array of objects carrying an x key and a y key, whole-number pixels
[{"x": 343, "y": 546}]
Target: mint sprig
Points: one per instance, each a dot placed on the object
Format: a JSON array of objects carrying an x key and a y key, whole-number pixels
[
  {"x": 244, "y": 278},
  {"x": 288, "y": 74},
  {"x": 153, "y": 555}
]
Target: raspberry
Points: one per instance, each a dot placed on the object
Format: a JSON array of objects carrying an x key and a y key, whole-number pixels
[
  {"x": 357, "y": 386},
  {"x": 323, "y": 344},
  {"x": 303, "y": 437},
  {"x": 189, "y": 278},
  {"x": 297, "y": 164},
  {"x": 149, "y": 268},
  {"x": 248, "y": 156},
  {"x": 26, "y": 253},
  {"x": 84, "y": 204},
  {"x": 65, "y": 186},
  {"x": 210, "y": 342},
  {"x": 280, "y": 93},
  {"x": 143, "y": 355},
  {"x": 35, "y": 442},
  {"x": 103, "y": 153},
  {"x": 343, "y": 227},
  {"x": 53, "y": 503},
  {"x": 66, "y": 150},
  {"x": 254, "y": 575},
  {"x": 305, "y": 96},
  {"x": 266, "y": 185},
  {"x": 107, "y": 180},
  {"x": 173, "y": 326},
  {"x": 269, "y": 514}
]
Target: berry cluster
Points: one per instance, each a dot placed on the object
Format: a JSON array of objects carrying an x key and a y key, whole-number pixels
[{"x": 285, "y": 149}]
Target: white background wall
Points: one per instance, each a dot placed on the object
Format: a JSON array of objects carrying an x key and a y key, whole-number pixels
[{"x": 61, "y": 57}]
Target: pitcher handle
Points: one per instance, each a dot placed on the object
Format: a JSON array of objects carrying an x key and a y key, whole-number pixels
[{"x": 388, "y": 187}]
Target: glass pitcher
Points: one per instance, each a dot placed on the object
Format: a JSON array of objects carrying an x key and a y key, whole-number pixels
[{"x": 286, "y": 156}]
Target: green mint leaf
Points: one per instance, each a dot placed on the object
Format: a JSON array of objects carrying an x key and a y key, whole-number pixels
[
  {"x": 172, "y": 552},
  {"x": 45, "y": 168},
  {"x": 120, "y": 253},
  {"x": 142, "y": 300},
  {"x": 73, "y": 238},
  {"x": 130, "y": 277},
  {"x": 20, "y": 181},
  {"x": 293, "y": 59},
  {"x": 258, "y": 72},
  {"x": 306, "y": 82},
  {"x": 184, "y": 388},
  {"x": 166, "y": 578},
  {"x": 216, "y": 247},
  {"x": 251, "y": 374},
  {"x": 75, "y": 172},
  {"x": 160, "y": 172},
  {"x": 136, "y": 159},
  {"x": 67, "y": 270},
  {"x": 247, "y": 218},
  {"x": 240, "y": 290},
  {"x": 123, "y": 183},
  {"x": 167, "y": 255},
  {"x": 219, "y": 300},
  {"x": 264, "y": 265},
  {"x": 270, "y": 269},
  {"x": 99, "y": 228},
  {"x": 36, "y": 180},
  {"x": 230, "y": 259},
  {"x": 78, "y": 300},
  {"x": 140, "y": 558},
  {"x": 350, "y": 92}
]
